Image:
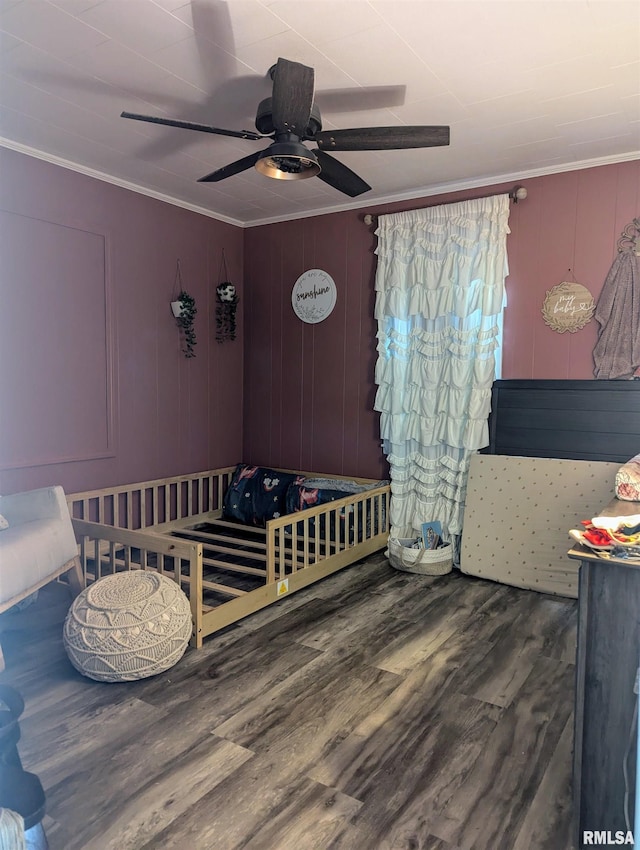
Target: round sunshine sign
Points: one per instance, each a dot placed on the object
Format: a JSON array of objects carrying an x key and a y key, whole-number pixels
[{"x": 313, "y": 296}]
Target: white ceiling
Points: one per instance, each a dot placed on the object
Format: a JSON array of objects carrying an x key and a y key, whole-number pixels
[{"x": 527, "y": 86}]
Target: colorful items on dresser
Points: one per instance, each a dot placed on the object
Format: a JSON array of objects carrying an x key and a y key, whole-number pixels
[
  {"x": 611, "y": 537},
  {"x": 610, "y": 531},
  {"x": 616, "y": 536}
]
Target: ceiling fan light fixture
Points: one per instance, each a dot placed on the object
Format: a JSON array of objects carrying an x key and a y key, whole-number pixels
[{"x": 288, "y": 161}]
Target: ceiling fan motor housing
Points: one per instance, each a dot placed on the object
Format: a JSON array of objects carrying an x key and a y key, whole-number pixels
[{"x": 264, "y": 120}]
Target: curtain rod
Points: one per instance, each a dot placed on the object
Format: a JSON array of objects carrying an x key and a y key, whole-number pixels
[{"x": 518, "y": 193}]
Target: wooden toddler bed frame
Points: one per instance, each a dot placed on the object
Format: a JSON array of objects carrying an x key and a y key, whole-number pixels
[{"x": 228, "y": 570}]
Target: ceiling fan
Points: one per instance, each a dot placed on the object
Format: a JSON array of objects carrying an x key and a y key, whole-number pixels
[{"x": 290, "y": 117}]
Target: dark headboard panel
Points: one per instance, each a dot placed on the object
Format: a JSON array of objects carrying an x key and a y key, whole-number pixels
[{"x": 581, "y": 420}]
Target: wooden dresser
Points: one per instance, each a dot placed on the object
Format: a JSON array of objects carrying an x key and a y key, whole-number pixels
[{"x": 608, "y": 656}]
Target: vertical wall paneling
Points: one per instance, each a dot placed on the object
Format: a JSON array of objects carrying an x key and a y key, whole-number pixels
[
  {"x": 557, "y": 252},
  {"x": 277, "y": 306},
  {"x": 524, "y": 270},
  {"x": 226, "y": 360},
  {"x": 568, "y": 221},
  {"x": 171, "y": 415},
  {"x": 283, "y": 393},
  {"x": 309, "y": 377},
  {"x": 359, "y": 241},
  {"x": 259, "y": 347},
  {"x": 291, "y": 424},
  {"x": 328, "y": 392},
  {"x": 594, "y": 237},
  {"x": 57, "y": 406}
]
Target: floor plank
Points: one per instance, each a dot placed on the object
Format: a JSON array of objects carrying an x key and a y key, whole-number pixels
[
  {"x": 375, "y": 710},
  {"x": 547, "y": 822},
  {"x": 508, "y": 772}
]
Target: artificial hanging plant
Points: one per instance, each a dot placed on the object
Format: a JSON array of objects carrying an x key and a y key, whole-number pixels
[
  {"x": 226, "y": 306},
  {"x": 184, "y": 309}
]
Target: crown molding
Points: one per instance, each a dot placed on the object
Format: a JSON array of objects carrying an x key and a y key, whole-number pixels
[
  {"x": 444, "y": 188},
  {"x": 115, "y": 181},
  {"x": 422, "y": 192}
]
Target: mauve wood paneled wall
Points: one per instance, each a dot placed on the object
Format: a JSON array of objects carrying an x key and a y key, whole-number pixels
[
  {"x": 309, "y": 389},
  {"x": 170, "y": 415},
  {"x": 305, "y": 396},
  {"x": 566, "y": 229}
]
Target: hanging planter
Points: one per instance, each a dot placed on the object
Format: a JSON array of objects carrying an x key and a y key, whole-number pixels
[
  {"x": 226, "y": 306},
  {"x": 184, "y": 310}
]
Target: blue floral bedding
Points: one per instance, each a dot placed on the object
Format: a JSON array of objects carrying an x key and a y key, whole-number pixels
[{"x": 257, "y": 494}]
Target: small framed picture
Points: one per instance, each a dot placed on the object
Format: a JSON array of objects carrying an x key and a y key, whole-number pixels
[{"x": 431, "y": 534}]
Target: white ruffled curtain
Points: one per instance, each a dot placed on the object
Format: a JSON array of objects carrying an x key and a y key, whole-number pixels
[{"x": 439, "y": 296}]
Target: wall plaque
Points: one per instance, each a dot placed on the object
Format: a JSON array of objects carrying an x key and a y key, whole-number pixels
[
  {"x": 313, "y": 296},
  {"x": 568, "y": 307}
]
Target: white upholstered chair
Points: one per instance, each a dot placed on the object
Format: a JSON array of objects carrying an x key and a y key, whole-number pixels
[{"x": 37, "y": 544}]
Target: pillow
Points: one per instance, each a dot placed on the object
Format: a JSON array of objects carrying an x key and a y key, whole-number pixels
[
  {"x": 628, "y": 480},
  {"x": 310, "y": 492},
  {"x": 300, "y": 497},
  {"x": 3, "y": 523},
  {"x": 257, "y": 494}
]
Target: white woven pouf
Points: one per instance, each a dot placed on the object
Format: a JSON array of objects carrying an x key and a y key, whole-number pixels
[{"x": 127, "y": 626}]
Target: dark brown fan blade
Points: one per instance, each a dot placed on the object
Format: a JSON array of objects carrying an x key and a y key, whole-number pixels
[
  {"x": 382, "y": 138},
  {"x": 358, "y": 99},
  {"x": 189, "y": 125},
  {"x": 231, "y": 169},
  {"x": 339, "y": 176},
  {"x": 292, "y": 97}
]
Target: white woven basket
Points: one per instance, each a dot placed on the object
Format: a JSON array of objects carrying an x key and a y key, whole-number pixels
[{"x": 426, "y": 562}]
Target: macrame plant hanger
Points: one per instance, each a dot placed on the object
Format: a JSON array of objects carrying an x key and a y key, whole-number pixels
[
  {"x": 226, "y": 305},
  {"x": 177, "y": 285},
  {"x": 183, "y": 307}
]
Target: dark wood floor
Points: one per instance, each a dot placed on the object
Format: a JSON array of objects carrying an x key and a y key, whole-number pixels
[{"x": 376, "y": 710}]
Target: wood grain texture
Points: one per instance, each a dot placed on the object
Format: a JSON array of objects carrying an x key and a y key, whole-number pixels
[
  {"x": 578, "y": 419},
  {"x": 376, "y": 710},
  {"x": 609, "y": 636}
]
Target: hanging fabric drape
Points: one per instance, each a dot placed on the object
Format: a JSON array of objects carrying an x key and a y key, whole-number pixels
[
  {"x": 617, "y": 351},
  {"x": 439, "y": 294}
]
